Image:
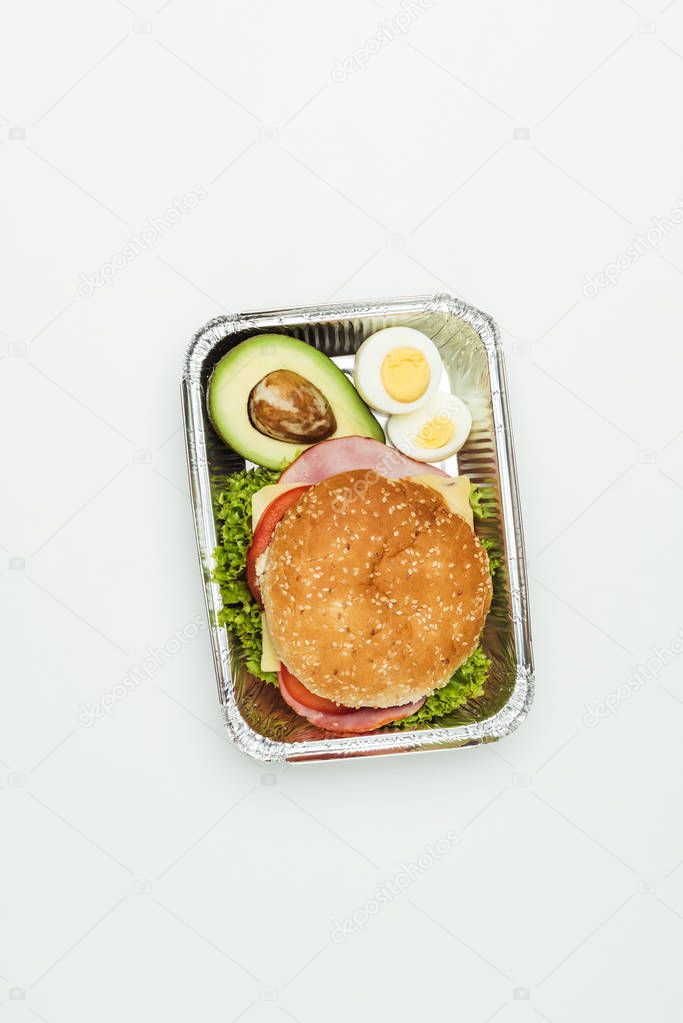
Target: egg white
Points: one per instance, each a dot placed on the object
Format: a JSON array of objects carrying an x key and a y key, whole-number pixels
[
  {"x": 367, "y": 368},
  {"x": 403, "y": 429}
]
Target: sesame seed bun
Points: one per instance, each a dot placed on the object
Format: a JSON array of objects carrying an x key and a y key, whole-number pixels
[{"x": 374, "y": 591}]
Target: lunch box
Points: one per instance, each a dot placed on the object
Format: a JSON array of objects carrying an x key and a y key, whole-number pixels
[{"x": 256, "y": 717}]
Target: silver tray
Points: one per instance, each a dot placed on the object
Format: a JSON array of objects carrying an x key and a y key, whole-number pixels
[{"x": 256, "y": 717}]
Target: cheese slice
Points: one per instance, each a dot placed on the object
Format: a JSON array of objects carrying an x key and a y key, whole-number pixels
[
  {"x": 269, "y": 659},
  {"x": 455, "y": 492}
]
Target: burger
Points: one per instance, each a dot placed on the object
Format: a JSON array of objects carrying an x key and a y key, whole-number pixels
[{"x": 373, "y": 585}]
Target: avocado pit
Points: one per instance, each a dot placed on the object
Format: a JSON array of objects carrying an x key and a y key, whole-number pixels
[{"x": 287, "y": 407}]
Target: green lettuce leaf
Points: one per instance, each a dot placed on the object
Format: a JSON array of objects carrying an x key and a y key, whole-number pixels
[
  {"x": 241, "y": 614},
  {"x": 492, "y": 549},
  {"x": 480, "y": 498},
  {"x": 479, "y": 495}
]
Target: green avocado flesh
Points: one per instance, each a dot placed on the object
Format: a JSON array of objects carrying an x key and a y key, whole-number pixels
[{"x": 240, "y": 370}]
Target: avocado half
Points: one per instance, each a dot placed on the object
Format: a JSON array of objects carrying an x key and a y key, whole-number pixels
[{"x": 249, "y": 362}]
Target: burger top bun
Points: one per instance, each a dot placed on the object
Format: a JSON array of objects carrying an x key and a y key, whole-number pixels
[{"x": 374, "y": 591}]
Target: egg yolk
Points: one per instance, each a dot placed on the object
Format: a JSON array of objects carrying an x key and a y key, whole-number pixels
[
  {"x": 435, "y": 432},
  {"x": 405, "y": 374}
]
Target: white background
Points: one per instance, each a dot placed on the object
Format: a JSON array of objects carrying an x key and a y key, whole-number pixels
[{"x": 501, "y": 152}]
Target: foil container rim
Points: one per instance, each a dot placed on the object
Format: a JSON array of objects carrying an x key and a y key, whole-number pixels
[{"x": 517, "y": 706}]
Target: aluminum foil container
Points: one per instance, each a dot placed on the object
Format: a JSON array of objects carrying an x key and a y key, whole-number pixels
[{"x": 256, "y": 717}]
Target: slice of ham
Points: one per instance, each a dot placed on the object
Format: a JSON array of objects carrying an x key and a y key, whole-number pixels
[
  {"x": 341, "y": 454},
  {"x": 351, "y": 721}
]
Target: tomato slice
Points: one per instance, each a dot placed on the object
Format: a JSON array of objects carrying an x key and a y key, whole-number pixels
[
  {"x": 343, "y": 720},
  {"x": 264, "y": 532},
  {"x": 305, "y": 696}
]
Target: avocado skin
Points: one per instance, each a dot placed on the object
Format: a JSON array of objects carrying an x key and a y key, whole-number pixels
[{"x": 247, "y": 363}]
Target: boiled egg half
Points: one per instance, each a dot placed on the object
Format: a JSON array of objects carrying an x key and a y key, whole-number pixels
[
  {"x": 433, "y": 432},
  {"x": 397, "y": 369}
]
